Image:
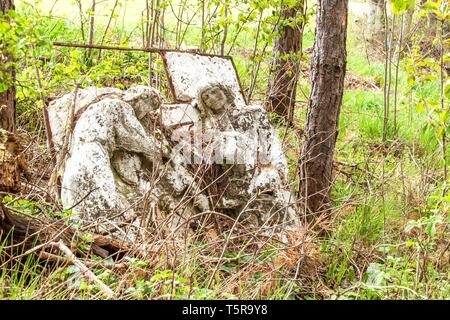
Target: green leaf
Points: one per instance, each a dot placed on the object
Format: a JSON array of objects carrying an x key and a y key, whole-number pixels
[
  {"x": 420, "y": 106},
  {"x": 400, "y": 6},
  {"x": 409, "y": 244},
  {"x": 447, "y": 89}
]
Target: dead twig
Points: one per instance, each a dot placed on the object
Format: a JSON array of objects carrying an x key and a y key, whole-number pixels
[
  {"x": 91, "y": 276},
  {"x": 55, "y": 258},
  {"x": 65, "y": 147}
]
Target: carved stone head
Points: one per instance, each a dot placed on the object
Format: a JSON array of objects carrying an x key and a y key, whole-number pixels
[
  {"x": 143, "y": 99},
  {"x": 214, "y": 98}
]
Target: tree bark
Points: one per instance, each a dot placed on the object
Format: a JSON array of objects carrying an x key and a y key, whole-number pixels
[
  {"x": 12, "y": 162},
  {"x": 12, "y": 166},
  {"x": 376, "y": 18},
  {"x": 407, "y": 22},
  {"x": 281, "y": 91},
  {"x": 91, "y": 32},
  {"x": 7, "y": 97},
  {"x": 433, "y": 25},
  {"x": 328, "y": 73}
]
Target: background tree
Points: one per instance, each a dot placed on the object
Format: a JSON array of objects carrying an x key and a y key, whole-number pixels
[
  {"x": 376, "y": 18},
  {"x": 328, "y": 73},
  {"x": 7, "y": 75},
  {"x": 281, "y": 90}
]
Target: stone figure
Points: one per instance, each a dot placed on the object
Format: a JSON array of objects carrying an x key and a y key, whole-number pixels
[
  {"x": 215, "y": 99},
  {"x": 106, "y": 129},
  {"x": 116, "y": 155},
  {"x": 246, "y": 147},
  {"x": 127, "y": 146}
]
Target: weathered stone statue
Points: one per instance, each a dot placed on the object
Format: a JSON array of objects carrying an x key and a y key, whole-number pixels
[
  {"x": 132, "y": 158},
  {"x": 247, "y": 149},
  {"x": 114, "y": 158},
  {"x": 105, "y": 129}
]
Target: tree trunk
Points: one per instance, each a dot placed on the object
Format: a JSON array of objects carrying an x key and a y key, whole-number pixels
[
  {"x": 376, "y": 18},
  {"x": 91, "y": 33},
  {"x": 328, "y": 73},
  {"x": 12, "y": 162},
  {"x": 12, "y": 165},
  {"x": 8, "y": 96},
  {"x": 281, "y": 91},
  {"x": 433, "y": 25},
  {"x": 407, "y": 22}
]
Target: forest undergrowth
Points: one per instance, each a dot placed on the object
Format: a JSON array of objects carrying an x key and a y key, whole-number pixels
[{"x": 388, "y": 235}]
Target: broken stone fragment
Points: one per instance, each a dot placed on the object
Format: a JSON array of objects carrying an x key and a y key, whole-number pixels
[{"x": 114, "y": 157}]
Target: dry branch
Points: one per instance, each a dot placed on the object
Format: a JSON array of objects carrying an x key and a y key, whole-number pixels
[{"x": 91, "y": 276}]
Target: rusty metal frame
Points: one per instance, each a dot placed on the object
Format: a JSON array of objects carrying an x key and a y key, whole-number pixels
[
  {"x": 170, "y": 80},
  {"x": 162, "y": 53}
]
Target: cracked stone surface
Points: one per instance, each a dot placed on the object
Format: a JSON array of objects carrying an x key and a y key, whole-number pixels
[
  {"x": 191, "y": 71},
  {"x": 135, "y": 159}
]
